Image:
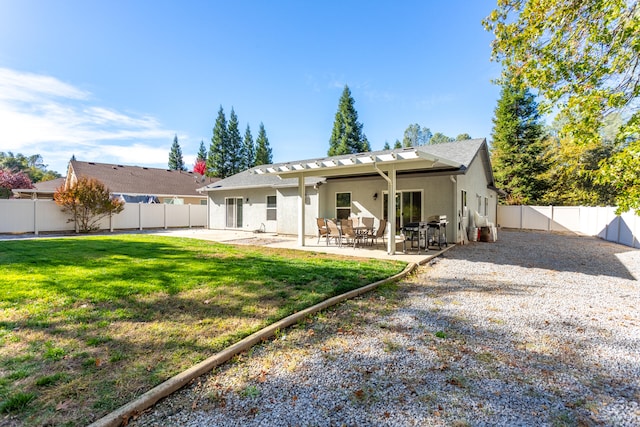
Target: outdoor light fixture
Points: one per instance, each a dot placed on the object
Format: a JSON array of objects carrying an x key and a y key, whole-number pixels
[{"x": 375, "y": 196}]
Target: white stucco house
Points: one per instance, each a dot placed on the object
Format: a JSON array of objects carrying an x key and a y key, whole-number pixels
[{"x": 453, "y": 179}]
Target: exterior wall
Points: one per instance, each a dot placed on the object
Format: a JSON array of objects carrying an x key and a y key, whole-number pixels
[
  {"x": 437, "y": 197},
  {"x": 254, "y": 209},
  {"x": 288, "y": 211},
  {"x": 42, "y": 216},
  {"x": 474, "y": 182}
]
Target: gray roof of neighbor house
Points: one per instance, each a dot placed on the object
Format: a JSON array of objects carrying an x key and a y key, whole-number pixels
[
  {"x": 456, "y": 155},
  {"x": 125, "y": 179}
]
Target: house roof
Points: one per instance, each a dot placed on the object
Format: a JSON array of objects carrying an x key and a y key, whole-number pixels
[
  {"x": 452, "y": 156},
  {"x": 248, "y": 179},
  {"x": 139, "y": 180}
]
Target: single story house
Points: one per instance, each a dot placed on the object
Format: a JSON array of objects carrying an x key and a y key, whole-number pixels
[
  {"x": 43, "y": 190},
  {"x": 454, "y": 179},
  {"x": 139, "y": 184}
]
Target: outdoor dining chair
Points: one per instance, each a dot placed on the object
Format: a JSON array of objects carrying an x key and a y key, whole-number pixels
[
  {"x": 333, "y": 232},
  {"x": 379, "y": 232},
  {"x": 322, "y": 228},
  {"x": 349, "y": 233}
]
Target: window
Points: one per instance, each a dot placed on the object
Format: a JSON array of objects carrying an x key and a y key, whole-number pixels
[
  {"x": 463, "y": 203},
  {"x": 272, "y": 211},
  {"x": 203, "y": 202},
  {"x": 343, "y": 205},
  {"x": 234, "y": 212},
  {"x": 486, "y": 206}
]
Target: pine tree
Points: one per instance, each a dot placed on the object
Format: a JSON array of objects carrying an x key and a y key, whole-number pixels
[
  {"x": 386, "y": 146},
  {"x": 347, "y": 136},
  {"x": 263, "y": 151},
  {"x": 202, "y": 152},
  {"x": 176, "y": 162},
  {"x": 234, "y": 156},
  {"x": 248, "y": 150},
  {"x": 218, "y": 150},
  {"x": 517, "y": 148}
]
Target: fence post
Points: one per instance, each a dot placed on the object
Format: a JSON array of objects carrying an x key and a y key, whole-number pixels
[
  {"x": 521, "y": 214},
  {"x": 140, "y": 215},
  {"x": 35, "y": 216},
  {"x": 550, "y": 219},
  {"x": 165, "y": 215},
  {"x": 189, "y": 211}
]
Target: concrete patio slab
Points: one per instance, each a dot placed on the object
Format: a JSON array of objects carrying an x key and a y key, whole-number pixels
[{"x": 273, "y": 240}]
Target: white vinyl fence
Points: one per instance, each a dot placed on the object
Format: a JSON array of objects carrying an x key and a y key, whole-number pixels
[
  {"x": 44, "y": 216},
  {"x": 591, "y": 221}
]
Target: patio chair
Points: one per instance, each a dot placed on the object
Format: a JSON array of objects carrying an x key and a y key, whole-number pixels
[
  {"x": 322, "y": 228},
  {"x": 379, "y": 232},
  {"x": 367, "y": 221},
  {"x": 333, "y": 232},
  {"x": 348, "y": 233}
]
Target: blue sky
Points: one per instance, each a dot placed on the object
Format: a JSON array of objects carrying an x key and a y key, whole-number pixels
[{"x": 113, "y": 81}]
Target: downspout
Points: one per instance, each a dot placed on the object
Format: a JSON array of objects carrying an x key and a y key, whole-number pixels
[
  {"x": 456, "y": 217},
  {"x": 391, "y": 249}
]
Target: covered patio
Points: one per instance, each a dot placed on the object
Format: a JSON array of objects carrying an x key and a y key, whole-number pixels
[{"x": 273, "y": 240}]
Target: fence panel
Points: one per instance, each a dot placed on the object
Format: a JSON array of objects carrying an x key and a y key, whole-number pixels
[
  {"x": 35, "y": 216},
  {"x": 592, "y": 221}
]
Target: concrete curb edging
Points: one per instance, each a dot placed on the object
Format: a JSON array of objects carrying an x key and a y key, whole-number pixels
[{"x": 121, "y": 415}]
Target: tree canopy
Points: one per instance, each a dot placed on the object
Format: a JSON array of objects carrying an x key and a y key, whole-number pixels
[
  {"x": 263, "y": 150},
  {"x": 415, "y": 136},
  {"x": 517, "y": 147},
  {"x": 582, "y": 58},
  {"x": 347, "y": 136},
  {"x": 32, "y": 166},
  {"x": 202, "y": 152},
  {"x": 12, "y": 180},
  {"x": 248, "y": 150},
  {"x": 176, "y": 161},
  {"x": 218, "y": 151}
]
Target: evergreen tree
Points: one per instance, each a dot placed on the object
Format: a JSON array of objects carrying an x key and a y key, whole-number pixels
[
  {"x": 517, "y": 151},
  {"x": 218, "y": 150},
  {"x": 176, "y": 162},
  {"x": 202, "y": 152},
  {"x": 386, "y": 146},
  {"x": 248, "y": 150},
  {"x": 347, "y": 136},
  {"x": 263, "y": 151},
  {"x": 463, "y": 137},
  {"x": 234, "y": 157},
  {"x": 397, "y": 144}
]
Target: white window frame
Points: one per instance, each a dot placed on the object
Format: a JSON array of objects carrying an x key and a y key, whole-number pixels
[
  {"x": 342, "y": 208},
  {"x": 272, "y": 209}
]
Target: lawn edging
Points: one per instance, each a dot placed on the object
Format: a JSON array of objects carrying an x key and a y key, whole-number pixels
[{"x": 121, "y": 415}]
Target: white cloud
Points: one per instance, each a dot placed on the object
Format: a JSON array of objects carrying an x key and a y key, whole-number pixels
[{"x": 43, "y": 115}]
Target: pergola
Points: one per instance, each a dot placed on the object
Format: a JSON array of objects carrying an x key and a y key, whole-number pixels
[{"x": 387, "y": 164}]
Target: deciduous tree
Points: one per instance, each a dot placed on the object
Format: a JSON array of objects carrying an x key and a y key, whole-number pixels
[
  {"x": 415, "y": 136},
  {"x": 439, "y": 138},
  {"x": 583, "y": 58},
  {"x": 347, "y": 136},
  {"x": 13, "y": 180},
  {"x": 87, "y": 201}
]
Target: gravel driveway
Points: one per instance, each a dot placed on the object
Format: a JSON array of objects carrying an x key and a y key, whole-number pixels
[{"x": 536, "y": 329}]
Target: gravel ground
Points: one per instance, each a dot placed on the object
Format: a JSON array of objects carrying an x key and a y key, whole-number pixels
[{"x": 536, "y": 329}]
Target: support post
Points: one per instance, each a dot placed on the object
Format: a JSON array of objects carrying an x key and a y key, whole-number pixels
[
  {"x": 391, "y": 213},
  {"x": 301, "y": 209},
  {"x": 35, "y": 216}
]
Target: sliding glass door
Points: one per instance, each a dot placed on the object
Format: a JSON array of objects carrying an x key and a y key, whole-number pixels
[
  {"x": 234, "y": 212},
  {"x": 408, "y": 207}
]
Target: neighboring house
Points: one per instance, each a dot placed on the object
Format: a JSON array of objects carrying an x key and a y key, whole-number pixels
[
  {"x": 453, "y": 179},
  {"x": 138, "y": 184},
  {"x": 43, "y": 190}
]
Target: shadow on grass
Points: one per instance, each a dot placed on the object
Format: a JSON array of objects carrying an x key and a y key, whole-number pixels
[{"x": 119, "y": 315}]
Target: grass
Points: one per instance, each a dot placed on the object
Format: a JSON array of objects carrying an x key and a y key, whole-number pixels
[{"x": 88, "y": 324}]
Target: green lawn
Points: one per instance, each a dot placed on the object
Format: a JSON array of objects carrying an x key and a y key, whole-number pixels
[{"x": 89, "y": 323}]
